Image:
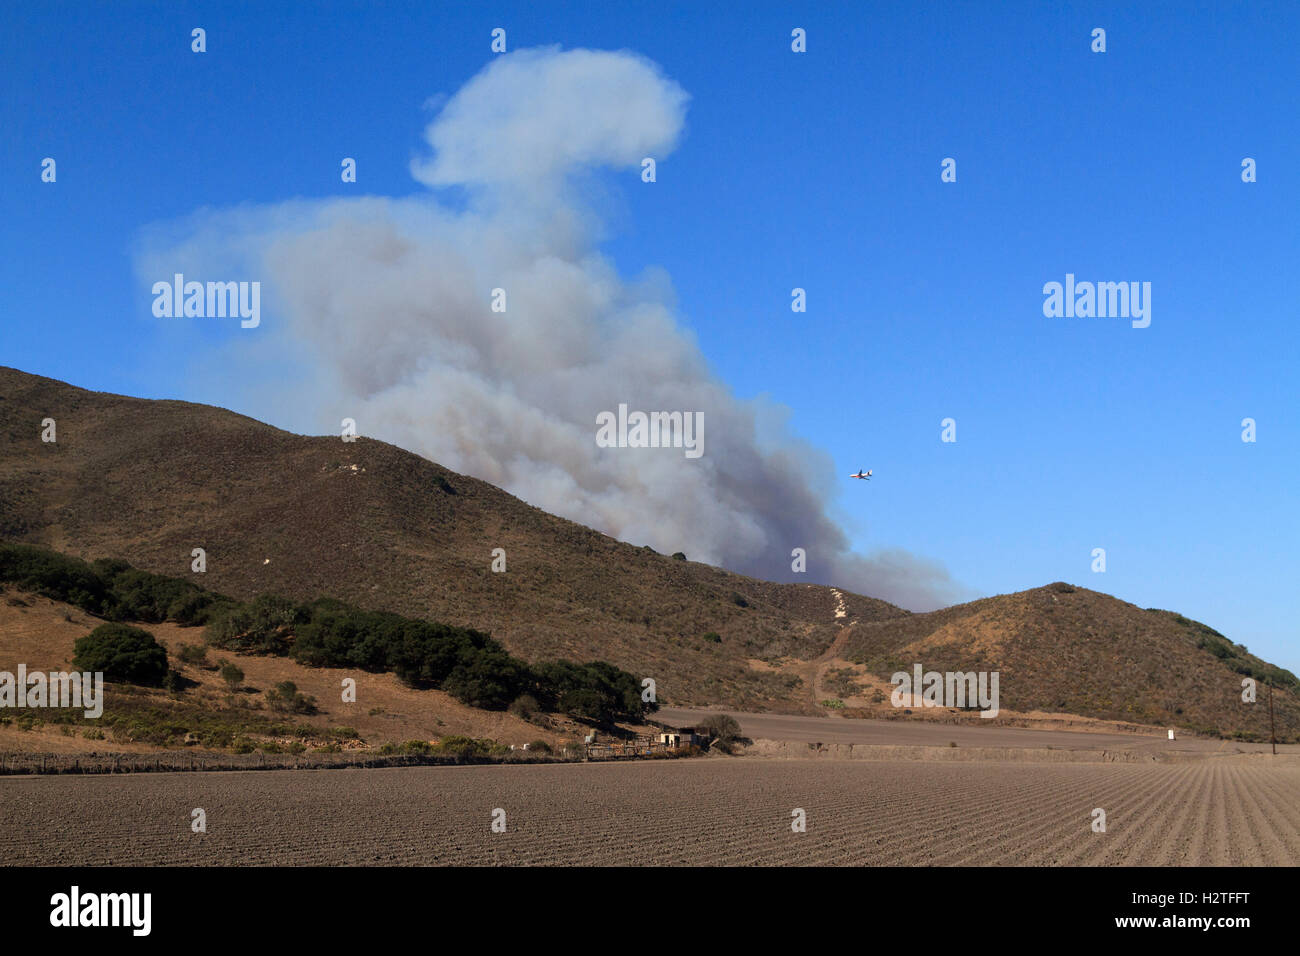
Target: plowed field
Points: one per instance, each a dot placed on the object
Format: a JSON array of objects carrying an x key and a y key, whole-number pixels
[{"x": 1238, "y": 810}]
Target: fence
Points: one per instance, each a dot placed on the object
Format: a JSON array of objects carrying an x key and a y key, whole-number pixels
[
  {"x": 184, "y": 761},
  {"x": 173, "y": 762},
  {"x": 641, "y": 747}
]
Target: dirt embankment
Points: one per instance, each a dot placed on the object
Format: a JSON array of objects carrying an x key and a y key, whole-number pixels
[{"x": 798, "y": 750}]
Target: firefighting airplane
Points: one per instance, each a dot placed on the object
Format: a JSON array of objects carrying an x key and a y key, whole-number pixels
[{"x": 864, "y": 475}]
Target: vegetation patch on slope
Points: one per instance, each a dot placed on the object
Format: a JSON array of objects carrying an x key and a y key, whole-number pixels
[{"x": 467, "y": 664}]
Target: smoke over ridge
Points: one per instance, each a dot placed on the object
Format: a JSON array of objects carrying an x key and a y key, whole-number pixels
[{"x": 382, "y": 309}]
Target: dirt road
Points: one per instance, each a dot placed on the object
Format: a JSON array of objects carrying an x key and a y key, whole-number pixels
[{"x": 841, "y": 730}]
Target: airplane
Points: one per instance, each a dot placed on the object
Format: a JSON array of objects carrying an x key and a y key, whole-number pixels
[{"x": 864, "y": 475}]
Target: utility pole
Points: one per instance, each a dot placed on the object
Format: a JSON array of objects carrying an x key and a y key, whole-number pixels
[{"x": 1272, "y": 729}]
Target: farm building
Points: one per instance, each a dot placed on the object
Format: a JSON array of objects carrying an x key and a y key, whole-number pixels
[{"x": 681, "y": 737}]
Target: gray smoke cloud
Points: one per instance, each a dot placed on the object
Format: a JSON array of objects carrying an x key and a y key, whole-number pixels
[{"x": 381, "y": 309}]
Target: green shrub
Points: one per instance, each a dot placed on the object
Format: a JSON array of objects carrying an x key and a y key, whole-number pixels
[
  {"x": 420, "y": 653},
  {"x": 285, "y": 696},
  {"x": 463, "y": 747},
  {"x": 196, "y": 607},
  {"x": 193, "y": 654},
  {"x": 107, "y": 587},
  {"x": 723, "y": 728},
  {"x": 491, "y": 680},
  {"x": 260, "y": 627},
  {"x": 55, "y": 576},
  {"x": 232, "y": 675},
  {"x": 141, "y": 596},
  {"x": 122, "y": 653},
  {"x": 595, "y": 691}
]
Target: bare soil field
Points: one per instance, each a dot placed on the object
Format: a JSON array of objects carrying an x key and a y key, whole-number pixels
[
  {"x": 1215, "y": 810},
  {"x": 921, "y": 732}
]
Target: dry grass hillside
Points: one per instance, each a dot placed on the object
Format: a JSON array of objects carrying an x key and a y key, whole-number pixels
[
  {"x": 369, "y": 523},
  {"x": 1066, "y": 649},
  {"x": 41, "y": 633}
]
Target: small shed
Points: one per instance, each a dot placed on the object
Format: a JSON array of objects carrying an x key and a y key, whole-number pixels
[{"x": 681, "y": 737}]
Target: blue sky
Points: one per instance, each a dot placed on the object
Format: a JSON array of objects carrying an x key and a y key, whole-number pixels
[{"x": 818, "y": 170}]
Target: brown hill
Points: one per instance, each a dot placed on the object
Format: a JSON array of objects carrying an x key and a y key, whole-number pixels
[
  {"x": 1065, "y": 649},
  {"x": 369, "y": 523},
  {"x": 366, "y": 522}
]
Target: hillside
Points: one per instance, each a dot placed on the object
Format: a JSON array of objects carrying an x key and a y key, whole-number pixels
[
  {"x": 366, "y": 522},
  {"x": 41, "y": 633},
  {"x": 1065, "y": 649}
]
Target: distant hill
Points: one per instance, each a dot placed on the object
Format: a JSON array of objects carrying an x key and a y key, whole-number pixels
[
  {"x": 1065, "y": 649},
  {"x": 372, "y": 524}
]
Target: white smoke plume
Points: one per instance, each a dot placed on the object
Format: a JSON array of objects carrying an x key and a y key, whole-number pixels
[{"x": 383, "y": 306}]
